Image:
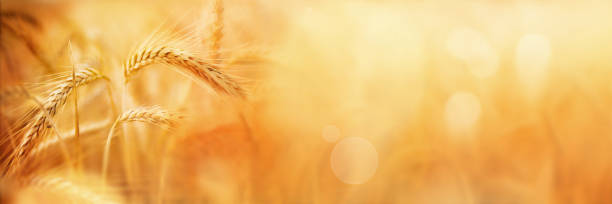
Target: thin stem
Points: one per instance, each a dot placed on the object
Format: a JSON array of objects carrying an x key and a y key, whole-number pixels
[
  {"x": 125, "y": 146},
  {"x": 217, "y": 30},
  {"x": 76, "y": 111},
  {"x": 107, "y": 150}
]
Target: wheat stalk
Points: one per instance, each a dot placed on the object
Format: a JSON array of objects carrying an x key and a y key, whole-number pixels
[
  {"x": 152, "y": 115},
  {"x": 76, "y": 109},
  {"x": 38, "y": 121},
  {"x": 216, "y": 30},
  {"x": 86, "y": 129},
  {"x": 190, "y": 64}
]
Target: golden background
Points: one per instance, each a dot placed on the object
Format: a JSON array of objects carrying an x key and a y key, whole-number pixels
[{"x": 349, "y": 102}]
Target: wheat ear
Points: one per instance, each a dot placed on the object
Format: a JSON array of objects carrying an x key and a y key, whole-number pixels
[
  {"x": 22, "y": 92},
  {"x": 38, "y": 121},
  {"x": 152, "y": 115},
  {"x": 188, "y": 63}
]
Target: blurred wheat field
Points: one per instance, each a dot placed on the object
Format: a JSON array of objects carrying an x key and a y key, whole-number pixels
[{"x": 266, "y": 101}]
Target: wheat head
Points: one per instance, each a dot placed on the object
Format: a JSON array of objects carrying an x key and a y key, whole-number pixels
[
  {"x": 190, "y": 64},
  {"x": 153, "y": 115},
  {"x": 36, "y": 122}
]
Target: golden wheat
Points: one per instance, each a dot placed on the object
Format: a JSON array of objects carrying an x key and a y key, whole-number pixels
[
  {"x": 75, "y": 91},
  {"x": 152, "y": 115},
  {"x": 86, "y": 129},
  {"x": 189, "y": 63},
  {"x": 37, "y": 121}
]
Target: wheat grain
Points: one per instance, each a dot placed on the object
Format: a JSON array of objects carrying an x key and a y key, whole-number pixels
[
  {"x": 37, "y": 122},
  {"x": 152, "y": 115},
  {"x": 57, "y": 97},
  {"x": 190, "y": 64}
]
